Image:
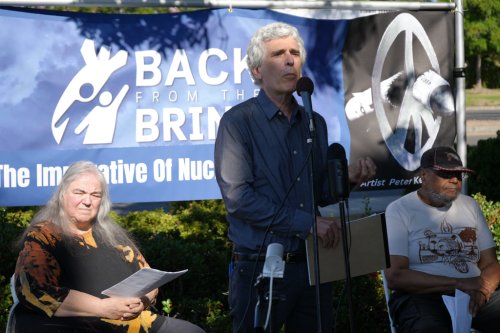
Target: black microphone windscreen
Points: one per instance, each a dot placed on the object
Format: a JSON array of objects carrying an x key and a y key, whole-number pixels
[
  {"x": 338, "y": 173},
  {"x": 335, "y": 150},
  {"x": 305, "y": 84}
]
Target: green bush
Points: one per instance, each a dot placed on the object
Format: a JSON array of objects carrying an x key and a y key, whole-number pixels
[
  {"x": 485, "y": 160},
  {"x": 491, "y": 211},
  {"x": 5, "y": 301},
  {"x": 368, "y": 298},
  {"x": 193, "y": 235},
  {"x": 12, "y": 223}
]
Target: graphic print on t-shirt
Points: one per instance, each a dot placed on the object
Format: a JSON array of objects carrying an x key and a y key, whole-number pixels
[{"x": 451, "y": 246}]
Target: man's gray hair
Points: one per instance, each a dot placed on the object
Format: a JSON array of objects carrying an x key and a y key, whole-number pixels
[{"x": 256, "y": 48}]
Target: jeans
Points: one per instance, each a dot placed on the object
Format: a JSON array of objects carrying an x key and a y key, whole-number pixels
[
  {"x": 294, "y": 305},
  {"x": 427, "y": 313}
]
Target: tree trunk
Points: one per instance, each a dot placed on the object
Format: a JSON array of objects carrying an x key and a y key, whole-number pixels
[{"x": 479, "y": 82}]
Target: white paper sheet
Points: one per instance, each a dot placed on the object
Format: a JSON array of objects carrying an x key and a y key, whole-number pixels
[
  {"x": 142, "y": 282},
  {"x": 458, "y": 307}
]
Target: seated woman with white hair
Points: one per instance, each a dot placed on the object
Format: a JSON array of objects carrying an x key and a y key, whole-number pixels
[{"x": 71, "y": 251}]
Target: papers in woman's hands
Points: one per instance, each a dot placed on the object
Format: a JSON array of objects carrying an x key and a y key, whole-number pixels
[{"x": 142, "y": 282}]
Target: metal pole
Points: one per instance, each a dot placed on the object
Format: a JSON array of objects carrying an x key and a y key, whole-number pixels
[
  {"x": 460, "y": 86},
  {"x": 346, "y": 246},
  {"x": 276, "y": 4}
]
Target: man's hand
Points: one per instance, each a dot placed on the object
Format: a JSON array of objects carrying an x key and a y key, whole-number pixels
[
  {"x": 362, "y": 170},
  {"x": 477, "y": 299},
  {"x": 479, "y": 291},
  {"x": 328, "y": 231}
]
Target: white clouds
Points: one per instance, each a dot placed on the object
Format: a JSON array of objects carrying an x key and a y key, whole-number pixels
[{"x": 28, "y": 58}]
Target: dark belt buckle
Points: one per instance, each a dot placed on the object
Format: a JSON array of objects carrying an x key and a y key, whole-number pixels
[{"x": 290, "y": 257}]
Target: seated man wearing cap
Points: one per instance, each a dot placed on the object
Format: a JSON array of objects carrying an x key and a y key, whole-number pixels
[{"x": 439, "y": 241}]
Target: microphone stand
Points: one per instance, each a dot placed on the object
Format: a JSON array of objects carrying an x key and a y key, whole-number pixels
[
  {"x": 264, "y": 297},
  {"x": 258, "y": 315},
  {"x": 314, "y": 223},
  {"x": 347, "y": 265}
]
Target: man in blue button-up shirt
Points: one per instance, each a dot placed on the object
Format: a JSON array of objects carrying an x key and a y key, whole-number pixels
[{"x": 262, "y": 166}]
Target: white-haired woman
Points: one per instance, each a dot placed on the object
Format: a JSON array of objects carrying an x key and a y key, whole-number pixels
[{"x": 71, "y": 251}]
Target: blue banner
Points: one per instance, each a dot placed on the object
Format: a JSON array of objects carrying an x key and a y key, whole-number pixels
[{"x": 139, "y": 95}]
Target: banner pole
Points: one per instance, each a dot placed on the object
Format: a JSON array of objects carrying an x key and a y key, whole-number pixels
[
  {"x": 277, "y": 4},
  {"x": 459, "y": 74}
]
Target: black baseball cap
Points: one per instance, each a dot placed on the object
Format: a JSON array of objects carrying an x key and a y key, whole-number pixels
[{"x": 443, "y": 158}]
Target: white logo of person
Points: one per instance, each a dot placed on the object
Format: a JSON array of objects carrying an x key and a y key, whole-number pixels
[
  {"x": 101, "y": 121},
  {"x": 419, "y": 98}
]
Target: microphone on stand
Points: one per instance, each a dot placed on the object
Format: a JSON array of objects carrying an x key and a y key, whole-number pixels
[
  {"x": 338, "y": 174},
  {"x": 274, "y": 266},
  {"x": 305, "y": 88},
  {"x": 338, "y": 177}
]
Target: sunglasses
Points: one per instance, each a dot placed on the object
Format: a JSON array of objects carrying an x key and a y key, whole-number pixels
[{"x": 449, "y": 174}]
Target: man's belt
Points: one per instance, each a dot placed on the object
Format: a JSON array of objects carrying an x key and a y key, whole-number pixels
[{"x": 288, "y": 257}]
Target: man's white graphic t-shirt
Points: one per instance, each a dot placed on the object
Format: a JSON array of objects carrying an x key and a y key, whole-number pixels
[{"x": 442, "y": 241}]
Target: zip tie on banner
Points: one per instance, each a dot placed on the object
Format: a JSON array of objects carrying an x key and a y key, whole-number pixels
[{"x": 230, "y": 9}]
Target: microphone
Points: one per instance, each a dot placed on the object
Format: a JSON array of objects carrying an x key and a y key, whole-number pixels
[
  {"x": 274, "y": 265},
  {"x": 305, "y": 88},
  {"x": 337, "y": 172}
]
